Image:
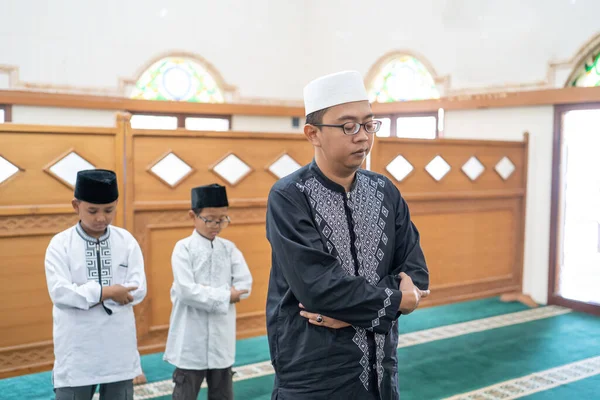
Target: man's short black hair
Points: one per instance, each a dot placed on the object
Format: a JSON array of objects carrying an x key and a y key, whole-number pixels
[
  {"x": 316, "y": 117},
  {"x": 197, "y": 210}
]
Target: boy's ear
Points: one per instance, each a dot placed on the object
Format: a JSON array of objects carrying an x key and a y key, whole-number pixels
[
  {"x": 75, "y": 204},
  {"x": 192, "y": 214}
]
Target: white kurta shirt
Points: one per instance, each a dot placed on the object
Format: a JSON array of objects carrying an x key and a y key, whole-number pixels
[
  {"x": 94, "y": 342},
  {"x": 202, "y": 327}
]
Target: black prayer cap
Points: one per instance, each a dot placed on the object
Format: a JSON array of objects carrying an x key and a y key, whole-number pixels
[
  {"x": 96, "y": 186},
  {"x": 213, "y": 195}
]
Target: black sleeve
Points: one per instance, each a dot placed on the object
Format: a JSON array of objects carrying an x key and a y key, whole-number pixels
[{"x": 408, "y": 255}]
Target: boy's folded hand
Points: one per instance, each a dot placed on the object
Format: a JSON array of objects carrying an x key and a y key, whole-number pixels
[
  {"x": 235, "y": 294},
  {"x": 118, "y": 293}
]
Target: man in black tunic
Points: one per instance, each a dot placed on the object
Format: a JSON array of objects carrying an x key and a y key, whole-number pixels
[{"x": 346, "y": 258}]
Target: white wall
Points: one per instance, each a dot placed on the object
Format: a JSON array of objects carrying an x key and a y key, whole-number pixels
[
  {"x": 478, "y": 43},
  {"x": 271, "y": 48},
  {"x": 63, "y": 116},
  {"x": 253, "y": 123},
  {"x": 254, "y": 44},
  {"x": 510, "y": 124}
]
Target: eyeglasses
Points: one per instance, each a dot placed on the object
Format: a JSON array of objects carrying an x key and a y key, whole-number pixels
[
  {"x": 214, "y": 224},
  {"x": 352, "y": 128}
]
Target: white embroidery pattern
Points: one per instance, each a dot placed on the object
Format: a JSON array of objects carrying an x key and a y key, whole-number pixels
[
  {"x": 91, "y": 261},
  {"x": 331, "y": 219},
  {"x": 97, "y": 250},
  {"x": 366, "y": 205},
  {"x": 368, "y": 216}
]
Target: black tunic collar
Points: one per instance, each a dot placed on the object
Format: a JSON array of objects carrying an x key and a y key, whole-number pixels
[{"x": 328, "y": 183}]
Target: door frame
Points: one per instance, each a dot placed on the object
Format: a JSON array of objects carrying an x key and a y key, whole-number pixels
[{"x": 553, "y": 297}]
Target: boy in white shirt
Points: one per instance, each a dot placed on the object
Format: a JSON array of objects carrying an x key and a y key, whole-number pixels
[
  {"x": 210, "y": 276},
  {"x": 95, "y": 275}
]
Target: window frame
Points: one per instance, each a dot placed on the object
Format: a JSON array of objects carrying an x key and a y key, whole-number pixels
[
  {"x": 182, "y": 116},
  {"x": 556, "y": 204},
  {"x": 7, "y": 112},
  {"x": 393, "y": 123}
]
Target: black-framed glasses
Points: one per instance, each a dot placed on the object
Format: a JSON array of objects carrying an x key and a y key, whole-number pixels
[
  {"x": 214, "y": 224},
  {"x": 352, "y": 128}
]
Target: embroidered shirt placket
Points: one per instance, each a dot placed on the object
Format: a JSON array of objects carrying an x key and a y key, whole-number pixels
[
  {"x": 108, "y": 310},
  {"x": 351, "y": 231},
  {"x": 356, "y": 268}
]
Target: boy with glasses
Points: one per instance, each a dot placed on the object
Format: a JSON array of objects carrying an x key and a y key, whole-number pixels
[{"x": 210, "y": 276}]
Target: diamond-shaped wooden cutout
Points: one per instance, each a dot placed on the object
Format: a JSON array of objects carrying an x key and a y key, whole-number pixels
[
  {"x": 171, "y": 169},
  {"x": 66, "y": 167},
  {"x": 283, "y": 166},
  {"x": 7, "y": 169},
  {"x": 232, "y": 169},
  {"x": 399, "y": 168},
  {"x": 505, "y": 168},
  {"x": 438, "y": 168},
  {"x": 473, "y": 168}
]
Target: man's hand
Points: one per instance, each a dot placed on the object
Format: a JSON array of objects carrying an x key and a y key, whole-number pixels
[
  {"x": 411, "y": 295},
  {"x": 118, "y": 293},
  {"x": 319, "y": 320},
  {"x": 235, "y": 295}
]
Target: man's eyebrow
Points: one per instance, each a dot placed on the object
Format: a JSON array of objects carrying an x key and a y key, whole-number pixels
[{"x": 353, "y": 118}]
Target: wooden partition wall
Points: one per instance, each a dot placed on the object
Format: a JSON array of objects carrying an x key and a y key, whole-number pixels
[
  {"x": 471, "y": 219},
  {"x": 35, "y": 204},
  {"x": 471, "y": 229},
  {"x": 157, "y": 209}
]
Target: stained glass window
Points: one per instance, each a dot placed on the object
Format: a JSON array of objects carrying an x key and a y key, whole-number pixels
[
  {"x": 403, "y": 78},
  {"x": 590, "y": 72},
  {"x": 177, "y": 79}
]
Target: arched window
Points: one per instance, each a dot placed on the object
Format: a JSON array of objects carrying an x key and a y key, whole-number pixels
[
  {"x": 401, "y": 77},
  {"x": 587, "y": 74},
  {"x": 177, "y": 79}
]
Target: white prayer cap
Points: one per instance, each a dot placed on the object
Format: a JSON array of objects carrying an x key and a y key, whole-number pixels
[{"x": 331, "y": 90}]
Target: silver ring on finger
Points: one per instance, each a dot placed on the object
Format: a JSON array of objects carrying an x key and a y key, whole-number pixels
[{"x": 319, "y": 318}]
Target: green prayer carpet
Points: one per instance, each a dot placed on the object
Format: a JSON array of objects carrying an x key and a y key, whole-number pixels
[
  {"x": 465, "y": 363},
  {"x": 433, "y": 370}
]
